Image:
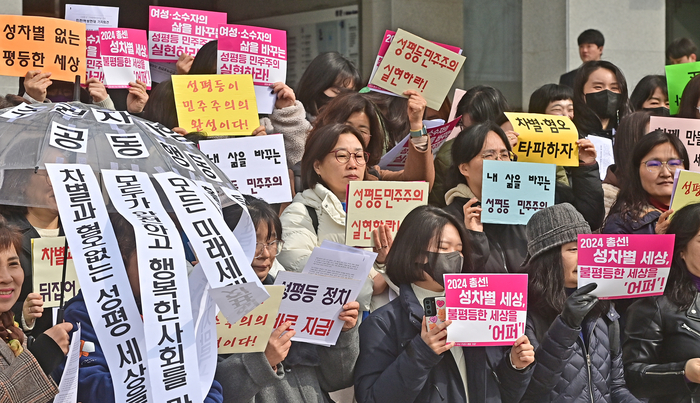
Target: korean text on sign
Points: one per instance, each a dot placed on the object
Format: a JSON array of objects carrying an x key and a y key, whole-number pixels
[
  {"x": 174, "y": 31},
  {"x": 486, "y": 309},
  {"x": 412, "y": 63},
  {"x": 625, "y": 266},
  {"x": 124, "y": 57},
  {"x": 251, "y": 333},
  {"x": 41, "y": 43},
  {"x": 374, "y": 203},
  {"x": 395, "y": 159},
  {"x": 686, "y": 189},
  {"x": 48, "y": 257},
  {"x": 386, "y": 41},
  {"x": 513, "y": 191},
  {"x": 678, "y": 76},
  {"x": 312, "y": 304},
  {"x": 219, "y": 105},
  {"x": 542, "y": 138},
  {"x": 256, "y": 165},
  {"x": 93, "y": 17},
  {"x": 688, "y": 130},
  {"x": 260, "y": 52}
]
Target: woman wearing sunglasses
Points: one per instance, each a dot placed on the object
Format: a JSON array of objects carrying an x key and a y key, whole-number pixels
[{"x": 642, "y": 206}]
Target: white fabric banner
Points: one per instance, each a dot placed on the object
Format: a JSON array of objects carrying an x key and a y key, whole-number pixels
[
  {"x": 204, "y": 311},
  {"x": 165, "y": 296},
  {"x": 105, "y": 285},
  {"x": 234, "y": 285}
]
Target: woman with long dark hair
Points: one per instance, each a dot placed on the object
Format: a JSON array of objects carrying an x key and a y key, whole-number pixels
[
  {"x": 567, "y": 326},
  {"x": 645, "y": 197},
  {"x": 400, "y": 360},
  {"x": 662, "y": 351},
  {"x": 600, "y": 98},
  {"x": 690, "y": 100},
  {"x": 632, "y": 128},
  {"x": 479, "y": 104},
  {"x": 651, "y": 94}
]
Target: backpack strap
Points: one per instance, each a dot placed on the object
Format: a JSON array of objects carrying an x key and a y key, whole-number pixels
[
  {"x": 614, "y": 337},
  {"x": 314, "y": 218}
]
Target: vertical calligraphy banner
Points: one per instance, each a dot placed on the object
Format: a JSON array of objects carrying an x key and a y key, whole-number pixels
[
  {"x": 106, "y": 290},
  {"x": 165, "y": 296}
]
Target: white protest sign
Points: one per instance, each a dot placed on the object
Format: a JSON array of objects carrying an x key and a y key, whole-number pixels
[
  {"x": 625, "y": 266},
  {"x": 485, "y": 309},
  {"x": 312, "y": 304},
  {"x": 68, "y": 138},
  {"x": 234, "y": 285},
  {"x": 105, "y": 285},
  {"x": 513, "y": 191},
  {"x": 94, "y": 17},
  {"x": 165, "y": 297},
  {"x": 255, "y": 165},
  {"x": 395, "y": 159},
  {"x": 604, "y": 153},
  {"x": 68, "y": 388}
]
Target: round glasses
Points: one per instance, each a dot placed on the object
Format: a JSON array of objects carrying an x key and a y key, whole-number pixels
[
  {"x": 343, "y": 156},
  {"x": 502, "y": 156},
  {"x": 273, "y": 247},
  {"x": 654, "y": 166}
]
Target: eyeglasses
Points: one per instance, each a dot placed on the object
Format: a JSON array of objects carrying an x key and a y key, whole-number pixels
[
  {"x": 344, "y": 156},
  {"x": 502, "y": 156},
  {"x": 273, "y": 247},
  {"x": 654, "y": 166}
]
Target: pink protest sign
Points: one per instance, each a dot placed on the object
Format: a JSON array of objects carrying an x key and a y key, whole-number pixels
[
  {"x": 625, "y": 266},
  {"x": 688, "y": 130},
  {"x": 395, "y": 159},
  {"x": 174, "y": 31},
  {"x": 260, "y": 52},
  {"x": 93, "y": 60},
  {"x": 486, "y": 309},
  {"x": 124, "y": 57},
  {"x": 386, "y": 41}
]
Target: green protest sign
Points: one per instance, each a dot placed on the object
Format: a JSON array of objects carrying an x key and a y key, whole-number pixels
[{"x": 677, "y": 77}]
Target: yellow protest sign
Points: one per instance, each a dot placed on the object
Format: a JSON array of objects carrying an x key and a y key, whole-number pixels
[
  {"x": 41, "y": 43},
  {"x": 547, "y": 139},
  {"x": 47, "y": 270},
  {"x": 251, "y": 333},
  {"x": 412, "y": 63},
  {"x": 375, "y": 203},
  {"x": 218, "y": 105},
  {"x": 686, "y": 189}
]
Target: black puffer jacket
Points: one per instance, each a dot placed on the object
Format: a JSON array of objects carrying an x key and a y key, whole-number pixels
[
  {"x": 661, "y": 338},
  {"x": 567, "y": 371},
  {"x": 395, "y": 364}
]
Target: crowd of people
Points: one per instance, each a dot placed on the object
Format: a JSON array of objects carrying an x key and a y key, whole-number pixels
[{"x": 575, "y": 348}]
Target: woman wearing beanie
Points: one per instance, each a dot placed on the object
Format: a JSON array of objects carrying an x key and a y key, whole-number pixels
[
  {"x": 662, "y": 351},
  {"x": 576, "y": 336}
]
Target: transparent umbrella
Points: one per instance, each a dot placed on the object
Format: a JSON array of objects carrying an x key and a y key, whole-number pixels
[{"x": 32, "y": 135}]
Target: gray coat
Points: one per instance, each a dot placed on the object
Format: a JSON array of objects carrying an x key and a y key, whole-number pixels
[{"x": 249, "y": 377}]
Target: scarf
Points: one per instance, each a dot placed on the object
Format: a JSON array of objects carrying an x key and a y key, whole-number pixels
[{"x": 10, "y": 332}]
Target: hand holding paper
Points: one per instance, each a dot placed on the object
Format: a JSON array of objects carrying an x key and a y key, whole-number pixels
[
  {"x": 472, "y": 215},
  {"x": 285, "y": 95},
  {"x": 349, "y": 315},
  {"x": 382, "y": 242},
  {"x": 586, "y": 152},
  {"x": 33, "y": 308},
  {"x": 278, "y": 346},
  {"x": 522, "y": 353},
  {"x": 416, "y": 108},
  {"x": 36, "y": 83}
]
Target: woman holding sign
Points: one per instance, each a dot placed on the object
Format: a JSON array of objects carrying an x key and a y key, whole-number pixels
[
  {"x": 502, "y": 247},
  {"x": 23, "y": 375},
  {"x": 576, "y": 336},
  {"x": 662, "y": 351},
  {"x": 400, "y": 360}
]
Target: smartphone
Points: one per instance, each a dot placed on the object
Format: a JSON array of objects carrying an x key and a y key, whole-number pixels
[{"x": 435, "y": 311}]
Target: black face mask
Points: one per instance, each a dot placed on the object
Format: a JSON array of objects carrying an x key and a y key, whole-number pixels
[
  {"x": 604, "y": 103},
  {"x": 442, "y": 263},
  {"x": 322, "y": 101},
  {"x": 659, "y": 111}
]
